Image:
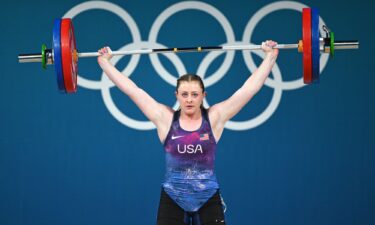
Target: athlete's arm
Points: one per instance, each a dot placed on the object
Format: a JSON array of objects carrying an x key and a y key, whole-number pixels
[
  {"x": 222, "y": 112},
  {"x": 161, "y": 115}
]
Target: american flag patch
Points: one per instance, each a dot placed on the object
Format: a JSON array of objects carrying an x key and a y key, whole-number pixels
[{"x": 204, "y": 137}]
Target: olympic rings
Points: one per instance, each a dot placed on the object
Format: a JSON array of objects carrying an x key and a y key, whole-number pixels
[{"x": 276, "y": 83}]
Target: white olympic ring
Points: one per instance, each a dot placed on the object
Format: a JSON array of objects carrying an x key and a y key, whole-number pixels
[
  {"x": 125, "y": 17},
  {"x": 267, "y": 113},
  {"x": 197, "y": 6},
  {"x": 132, "y": 123},
  {"x": 276, "y": 83},
  {"x": 286, "y": 85}
]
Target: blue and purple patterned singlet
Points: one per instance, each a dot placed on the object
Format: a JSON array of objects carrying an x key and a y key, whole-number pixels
[{"x": 190, "y": 156}]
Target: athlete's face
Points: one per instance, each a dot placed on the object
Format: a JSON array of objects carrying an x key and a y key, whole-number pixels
[{"x": 190, "y": 96}]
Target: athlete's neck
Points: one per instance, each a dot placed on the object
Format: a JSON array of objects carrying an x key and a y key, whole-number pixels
[
  {"x": 191, "y": 122},
  {"x": 191, "y": 117}
]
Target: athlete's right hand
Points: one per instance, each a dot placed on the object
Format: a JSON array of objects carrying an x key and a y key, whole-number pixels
[{"x": 268, "y": 48}]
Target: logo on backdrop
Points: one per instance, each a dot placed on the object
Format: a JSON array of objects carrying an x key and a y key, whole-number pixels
[{"x": 276, "y": 83}]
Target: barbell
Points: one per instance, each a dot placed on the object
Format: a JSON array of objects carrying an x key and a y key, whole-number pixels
[{"x": 64, "y": 54}]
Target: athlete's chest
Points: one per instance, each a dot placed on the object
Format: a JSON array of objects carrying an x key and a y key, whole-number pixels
[{"x": 192, "y": 143}]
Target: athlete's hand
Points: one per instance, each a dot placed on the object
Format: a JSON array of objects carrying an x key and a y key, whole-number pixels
[
  {"x": 105, "y": 54},
  {"x": 268, "y": 48}
]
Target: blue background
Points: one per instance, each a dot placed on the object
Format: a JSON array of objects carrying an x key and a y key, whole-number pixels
[{"x": 65, "y": 160}]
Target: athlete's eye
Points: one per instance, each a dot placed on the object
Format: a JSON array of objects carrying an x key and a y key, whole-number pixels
[
  {"x": 185, "y": 95},
  {"x": 195, "y": 95}
]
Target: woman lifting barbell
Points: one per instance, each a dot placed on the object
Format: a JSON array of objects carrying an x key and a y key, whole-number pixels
[{"x": 190, "y": 193}]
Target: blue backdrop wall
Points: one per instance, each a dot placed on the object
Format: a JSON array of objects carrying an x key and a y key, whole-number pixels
[{"x": 296, "y": 155}]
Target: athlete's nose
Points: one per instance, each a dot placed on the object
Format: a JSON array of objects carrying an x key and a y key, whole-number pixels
[{"x": 189, "y": 99}]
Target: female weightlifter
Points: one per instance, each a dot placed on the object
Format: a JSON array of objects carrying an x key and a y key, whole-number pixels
[{"x": 190, "y": 192}]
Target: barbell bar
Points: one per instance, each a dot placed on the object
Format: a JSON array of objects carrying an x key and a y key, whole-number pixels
[{"x": 64, "y": 54}]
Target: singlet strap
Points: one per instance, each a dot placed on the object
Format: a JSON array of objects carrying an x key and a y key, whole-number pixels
[
  {"x": 176, "y": 115},
  {"x": 204, "y": 113}
]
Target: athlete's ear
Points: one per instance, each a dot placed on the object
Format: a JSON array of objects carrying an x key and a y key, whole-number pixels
[
  {"x": 204, "y": 94},
  {"x": 175, "y": 93}
]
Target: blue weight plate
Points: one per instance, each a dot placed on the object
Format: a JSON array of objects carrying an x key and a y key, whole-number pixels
[
  {"x": 57, "y": 54},
  {"x": 315, "y": 49}
]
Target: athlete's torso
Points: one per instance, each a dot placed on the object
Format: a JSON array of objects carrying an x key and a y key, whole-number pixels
[{"x": 190, "y": 157}]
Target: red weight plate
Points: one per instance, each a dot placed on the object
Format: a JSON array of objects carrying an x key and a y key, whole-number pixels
[
  {"x": 306, "y": 38},
  {"x": 69, "y": 55}
]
